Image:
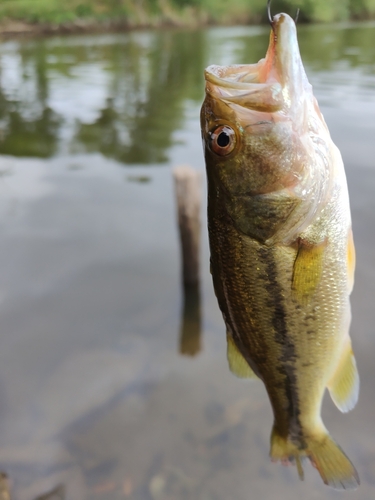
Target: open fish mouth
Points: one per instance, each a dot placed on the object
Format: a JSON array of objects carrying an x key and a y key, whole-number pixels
[
  {"x": 237, "y": 76},
  {"x": 233, "y": 87},
  {"x": 268, "y": 85}
]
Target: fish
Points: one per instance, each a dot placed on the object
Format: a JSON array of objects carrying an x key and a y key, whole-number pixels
[{"x": 282, "y": 255}]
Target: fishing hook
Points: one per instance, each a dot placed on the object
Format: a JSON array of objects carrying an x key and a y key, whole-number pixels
[{"x": 270, "y": 18}]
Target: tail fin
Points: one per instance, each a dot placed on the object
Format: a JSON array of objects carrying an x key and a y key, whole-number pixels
[{"x": 326, "y": 456}]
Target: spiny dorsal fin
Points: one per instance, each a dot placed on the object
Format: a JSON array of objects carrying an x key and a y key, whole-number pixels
[
  {"x": 344, "y": 385},
  {"x": 237, "y": 363},
  {"x": 307, "y": 270}
]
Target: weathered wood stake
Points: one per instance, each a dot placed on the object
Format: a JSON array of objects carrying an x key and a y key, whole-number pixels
[
  {"x": 190, "y": 329},
  {"x": 188, "y": 194}
]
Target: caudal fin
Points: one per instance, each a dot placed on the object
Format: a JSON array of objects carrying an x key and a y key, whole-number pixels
[{"x": 326, "y": 456}]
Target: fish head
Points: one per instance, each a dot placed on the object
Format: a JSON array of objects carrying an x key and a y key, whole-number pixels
[{"x": 259, "y": 121}]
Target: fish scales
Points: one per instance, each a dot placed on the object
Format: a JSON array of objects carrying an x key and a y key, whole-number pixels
[
  {"x": 259, "y": 279},
  {"x": 282, "y": 254}
]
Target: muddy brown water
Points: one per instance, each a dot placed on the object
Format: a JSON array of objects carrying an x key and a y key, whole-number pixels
[{"x": 94, "y": 391}]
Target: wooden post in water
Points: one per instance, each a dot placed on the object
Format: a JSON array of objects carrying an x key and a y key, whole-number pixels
[
  {"x": 190, "y": 328},
  {"x": 188, "y": 195},
  {"x": 188, "y": 182}
]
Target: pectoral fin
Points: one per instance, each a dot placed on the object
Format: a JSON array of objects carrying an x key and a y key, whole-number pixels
[
  {"x": 344, "y": 385},
  {"x": 237, "y": 363},
  {"x": 307, "y": 271}
]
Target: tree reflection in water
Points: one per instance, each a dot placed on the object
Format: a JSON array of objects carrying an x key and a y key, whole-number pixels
[
  {"x": 149, "y": 77},
  {"x": 29, "y": 127},
  {"x": 138, "y": 122},
  {"x": 146, "y": 82}
]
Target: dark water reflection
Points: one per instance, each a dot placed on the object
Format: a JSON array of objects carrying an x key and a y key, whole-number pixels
[
  {"x": 190, "y": 329},
  {"x": 93, "y": 390}
]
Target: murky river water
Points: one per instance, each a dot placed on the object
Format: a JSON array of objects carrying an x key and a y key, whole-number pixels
[{"x": 94, "y": 392}]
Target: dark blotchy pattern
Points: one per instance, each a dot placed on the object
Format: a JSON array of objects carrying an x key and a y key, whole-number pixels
[{"x": 287, "y": 369}]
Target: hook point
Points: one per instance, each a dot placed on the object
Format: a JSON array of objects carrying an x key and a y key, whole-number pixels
[{"x": 270, "y": 19}]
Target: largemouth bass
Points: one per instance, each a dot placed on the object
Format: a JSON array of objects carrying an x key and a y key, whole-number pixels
[{"x": 282, "y": 252}]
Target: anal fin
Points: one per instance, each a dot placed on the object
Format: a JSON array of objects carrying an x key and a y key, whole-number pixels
[
  {"x": 237, "y": 363},
  {"x": 344, "y": 385}
]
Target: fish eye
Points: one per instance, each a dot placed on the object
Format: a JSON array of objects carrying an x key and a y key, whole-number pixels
[{"x": 223, "y": 140}]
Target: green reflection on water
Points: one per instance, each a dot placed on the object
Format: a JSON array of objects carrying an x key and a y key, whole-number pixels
[
  {"x": 35, "y": 135},
  {"x": 324, "y": 46},
  {"x": 137, "y": 123},
  {"x": 146, "y": 82}
]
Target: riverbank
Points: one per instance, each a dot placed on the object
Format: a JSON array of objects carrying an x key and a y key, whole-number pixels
[
  {"x": 14, "y": 28},
  {"x": 39, "y": 17}
]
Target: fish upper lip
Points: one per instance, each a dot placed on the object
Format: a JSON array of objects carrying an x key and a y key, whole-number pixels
[
  {"x": 214, "y": 75},
  {"x": 266, "y": 97}
]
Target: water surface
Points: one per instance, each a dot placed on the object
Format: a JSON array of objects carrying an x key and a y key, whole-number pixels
[{"x": 94, "y": 390}]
